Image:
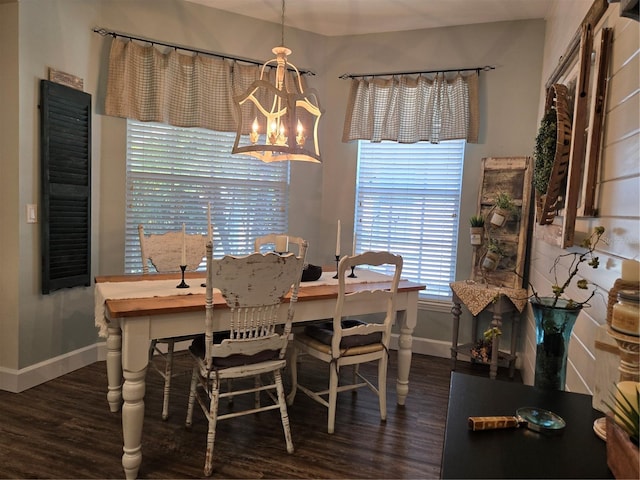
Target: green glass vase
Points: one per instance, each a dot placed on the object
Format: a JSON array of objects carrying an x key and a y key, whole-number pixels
[{"x": 554, "y": 324}]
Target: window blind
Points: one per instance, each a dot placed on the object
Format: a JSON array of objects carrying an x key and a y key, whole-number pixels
[
  {"x": 172, "y": 175},
  {"x": 408, "y": 202}
]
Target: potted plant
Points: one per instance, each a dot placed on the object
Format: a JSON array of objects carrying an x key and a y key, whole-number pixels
[
  {"x": 555, "y": 315},
  {"x": 623, "y": 431},
  {"x": 503, "y": 205},
  {"x": 493, "y": 255},
  {"x": 481, "y": 350},
  {"x": 476, "y": 230}
]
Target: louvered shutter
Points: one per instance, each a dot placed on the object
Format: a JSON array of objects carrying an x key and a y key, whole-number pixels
[
  {"x": 65, "y": 144},
  {"x": 408, "y": 202}
]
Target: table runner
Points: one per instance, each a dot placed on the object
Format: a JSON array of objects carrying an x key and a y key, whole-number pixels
[{"x": 164, "y": 288}]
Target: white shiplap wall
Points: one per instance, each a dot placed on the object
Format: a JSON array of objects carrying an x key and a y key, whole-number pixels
[{"x": 618, "y": 199}]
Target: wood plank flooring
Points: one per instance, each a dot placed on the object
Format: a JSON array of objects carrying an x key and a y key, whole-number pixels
[{"x": 64, "y": 429}]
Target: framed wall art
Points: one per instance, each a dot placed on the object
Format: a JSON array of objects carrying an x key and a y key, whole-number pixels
[{"x": 572, "y": 180}]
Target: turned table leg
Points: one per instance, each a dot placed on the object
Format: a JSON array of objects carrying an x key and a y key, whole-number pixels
[
  {"x": 132, "y": 420},
  {"x": 114, "y": 368},
  {"x": 407, "y": 321}
]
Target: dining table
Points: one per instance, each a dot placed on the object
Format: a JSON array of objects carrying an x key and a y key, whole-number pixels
[{"x": 133, "y": 309}]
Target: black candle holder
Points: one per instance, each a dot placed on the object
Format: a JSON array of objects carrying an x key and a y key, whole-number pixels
[
  {"x": 337, "y": 262},
  {"x": 352, "y": 274},
  {"x": 182, "y": 283}
]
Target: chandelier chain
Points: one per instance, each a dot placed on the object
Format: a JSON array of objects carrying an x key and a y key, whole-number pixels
[{"x": 282, "y": 22}]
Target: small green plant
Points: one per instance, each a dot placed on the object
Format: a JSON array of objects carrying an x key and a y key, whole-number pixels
[
  {"x": 504, "y": 201},
  {"x": 495, "y": 247},
  {"x": 477, "y": 221},
  {"x": 558, "y": 289},
  {"x": 481, "y": 350},
  {"x": 627, "y": 415}
]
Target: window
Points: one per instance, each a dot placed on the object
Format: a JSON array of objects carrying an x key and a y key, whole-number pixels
[
  {"x": 172, "y": 175},
  {"x": 407, "y": 201}
]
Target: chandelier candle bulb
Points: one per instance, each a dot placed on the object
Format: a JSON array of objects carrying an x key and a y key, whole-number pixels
[
  {"x": 254, "y": 131},
  {"x": 300, "y": 135},
  {"x": 184, "y": 245},
  {"x": 338, "y": 240}
]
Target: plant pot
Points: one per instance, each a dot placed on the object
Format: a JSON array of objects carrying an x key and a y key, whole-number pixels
[
  {"x": 553, "y": 332},
  {"x": 476, "y": 234},
  {"x": 623, "y": 456},
  {"x": 491, "y": 261},
  {"x": 499, "y": 217}
]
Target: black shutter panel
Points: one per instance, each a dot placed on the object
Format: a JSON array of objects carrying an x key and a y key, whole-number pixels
[{"x": 65, "y": 144}]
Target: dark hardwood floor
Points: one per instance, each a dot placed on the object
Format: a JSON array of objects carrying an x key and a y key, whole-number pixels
[{"x": 64, "y": 429}]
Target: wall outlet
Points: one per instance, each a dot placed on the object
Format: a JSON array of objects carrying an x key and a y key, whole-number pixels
[{"x": 32, "y": 213}]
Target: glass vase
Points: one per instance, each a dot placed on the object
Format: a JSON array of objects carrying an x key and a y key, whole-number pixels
[{"x": 554, "y": 324}]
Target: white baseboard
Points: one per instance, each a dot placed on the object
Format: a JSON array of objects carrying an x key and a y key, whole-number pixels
[
  {"x": 16, "y": 381},
  {"x": 425, "y": 346},
  {"x": 22, "y": 379}
]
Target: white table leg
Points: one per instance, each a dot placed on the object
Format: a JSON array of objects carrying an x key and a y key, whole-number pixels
[
  {"x": 408, "y": 319},
  {"x": 114, "y": 368},
  {"x": 132, "y": 420},
  {"x": 134, "y": 368}
]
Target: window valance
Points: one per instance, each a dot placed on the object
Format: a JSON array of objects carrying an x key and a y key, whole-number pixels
[
  {"x": 178, "y": 89},
  {"x": 406, "y": 109}
]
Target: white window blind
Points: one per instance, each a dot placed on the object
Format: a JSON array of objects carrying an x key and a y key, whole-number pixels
[
  {"x": 408, "y": 202},
  {"x": 172, "y": 175}
]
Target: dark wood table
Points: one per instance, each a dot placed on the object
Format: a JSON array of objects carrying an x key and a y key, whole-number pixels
[{"x": 519, "y": 453}]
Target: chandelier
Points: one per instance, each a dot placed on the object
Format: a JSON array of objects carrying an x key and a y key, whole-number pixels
[{"x": 277, "y": 117}]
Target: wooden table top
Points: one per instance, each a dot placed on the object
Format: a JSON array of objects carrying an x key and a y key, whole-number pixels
[{"x": 133, "y": 307}]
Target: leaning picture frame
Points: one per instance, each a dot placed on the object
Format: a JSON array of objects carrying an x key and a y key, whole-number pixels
[{"x": 574, "y": 71}]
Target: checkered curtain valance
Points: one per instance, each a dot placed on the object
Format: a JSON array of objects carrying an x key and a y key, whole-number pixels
[
  {"x": 180, "y": 89},
  {"x": 405, "y": 109}
]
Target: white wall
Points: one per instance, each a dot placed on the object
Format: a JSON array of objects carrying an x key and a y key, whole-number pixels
[{"x": 619, "y": 186}]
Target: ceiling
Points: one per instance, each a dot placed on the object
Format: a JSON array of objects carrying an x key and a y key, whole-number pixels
[{"x": 352, "y": 17}]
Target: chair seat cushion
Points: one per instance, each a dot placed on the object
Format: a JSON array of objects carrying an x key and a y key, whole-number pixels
[
  {"x": 323, "y": 332},
  {"x": 197, "y": 348}
]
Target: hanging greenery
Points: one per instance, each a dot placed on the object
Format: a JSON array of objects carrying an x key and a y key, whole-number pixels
[{"x": 545, "y": 151}]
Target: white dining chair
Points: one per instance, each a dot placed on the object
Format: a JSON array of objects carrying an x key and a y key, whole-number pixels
[
  {"x": 344, "y": 341},
  {"x": 164, "y": 253},
  {"x": 254, "y": 288}
]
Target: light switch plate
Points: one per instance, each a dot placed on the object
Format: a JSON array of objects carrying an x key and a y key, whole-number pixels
[{"x": 32, "y": 213}]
